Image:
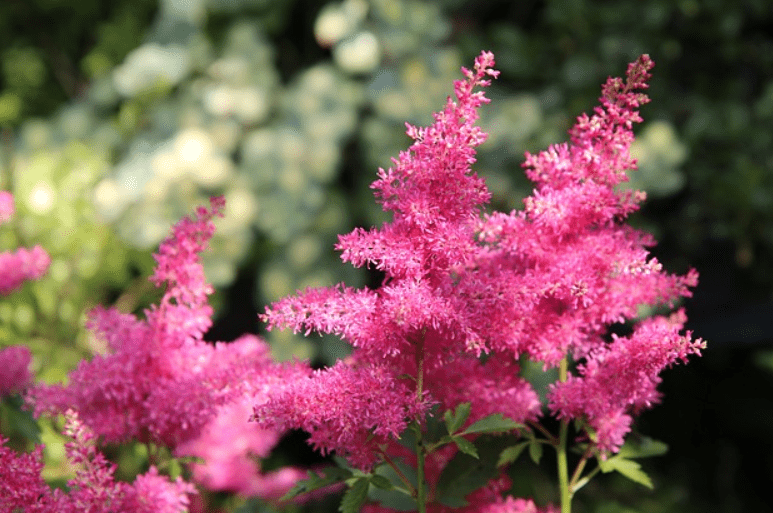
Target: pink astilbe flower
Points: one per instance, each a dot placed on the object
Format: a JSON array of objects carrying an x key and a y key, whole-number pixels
[
  {"x": 435, "y": 199},
  {"x": 513, "y": 505},
  {"x": 411, "y": 320},
  {"x": 21, "y": 485},
  {"x": 494, "y": 387},
  {"x": 546, "y": 282},
  {"x": 620, "y": 379},
  {"x": 118, "y": 394},
  {"x": 23, "y": 264},
  {"x": 231, "y": 446},
  {"x": 159, "y": 380},
  {"x": 553, "y": 277},
  {"x": 93, "y": 490},
  {"x": 15, "y": 374}
]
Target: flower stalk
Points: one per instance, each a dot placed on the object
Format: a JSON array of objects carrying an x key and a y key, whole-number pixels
[{"x": 563, "y": 470}]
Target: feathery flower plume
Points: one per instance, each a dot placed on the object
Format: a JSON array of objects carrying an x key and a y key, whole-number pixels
[
  {"x": 409, "y": 326},
  {"x": 93, "y": 489},
  {"x": 467, "y": 294}
]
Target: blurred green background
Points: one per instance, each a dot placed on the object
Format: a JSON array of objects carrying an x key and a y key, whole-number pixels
[{"x": 117, "y": 118}]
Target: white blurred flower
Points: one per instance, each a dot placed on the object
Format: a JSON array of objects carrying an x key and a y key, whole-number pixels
[
  {"x": 338, "y": 21},
  {"x": 41, "y": 198},
  {"x": 150, "y": 64},
  {"x": 359, "y": 54}
]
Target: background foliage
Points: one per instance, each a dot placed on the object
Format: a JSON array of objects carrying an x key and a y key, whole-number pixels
[{"x": 118, "y": 117}]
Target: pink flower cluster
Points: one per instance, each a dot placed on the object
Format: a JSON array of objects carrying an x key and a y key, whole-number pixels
[
  {"x": 16, "y": 268},
  {"x": 545, "y": 282},
  {"x": 620, "y": 378},
  {"x": 93, "y": 489},
  {"x": 161, "y": 382},
  {"x": 15, "y": 375},
  {"x": 412, "y": 323}
]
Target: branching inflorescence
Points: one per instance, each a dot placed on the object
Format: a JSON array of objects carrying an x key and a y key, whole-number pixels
[{"x": 467, "y": 294}]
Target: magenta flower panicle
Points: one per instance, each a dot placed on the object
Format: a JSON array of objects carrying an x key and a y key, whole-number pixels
[
  {"x": 619, "y": 380},
  {"x": 412, "y": 320},
  {"x": 92, "y": 490},
  {"x": 15, "y": 374},
  {"x": 118, "y": 394},
  {"x": 161, "y": 382},
  {"x": 545, "y": 282}
]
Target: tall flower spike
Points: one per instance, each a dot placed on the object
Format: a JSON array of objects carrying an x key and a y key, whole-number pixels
[
  {"x": 620, "y": 379},
  {"x": 435, "y": 199},
  {"x": 552, "y": 277},
  {"x": 411, "y": 324},
  {"x": 159, "y": 380}
]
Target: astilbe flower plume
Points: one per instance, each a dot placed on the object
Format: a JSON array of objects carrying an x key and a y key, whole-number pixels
[
  {"x": 125, "y": 393},
  {"x": 545, "y": 282},
  {"x": 93, "y": 490},
  {"x": 160, "y": 382},
  {"x": 409, "y": 325}
]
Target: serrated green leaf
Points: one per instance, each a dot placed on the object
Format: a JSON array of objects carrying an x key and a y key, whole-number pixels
[
  {"x": 535, "y": 451},
  {"x": 315, "y": 481},
  {"x": 458, "y": 418},
  {"x": 511, "y": 453},
  {"x": 466, "y": 446},
  {"x": 380, "y": 481},
  {"x": 495, "y": 423},
  {"x": 355, "y": 496},
  {"x": 629, "y": 468}
]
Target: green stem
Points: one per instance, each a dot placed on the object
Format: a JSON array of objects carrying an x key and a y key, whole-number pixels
[
  {"x": 580, "y": 467},
  {"x": 421, "y": 492},
  {"x": 563, "y": 469}
]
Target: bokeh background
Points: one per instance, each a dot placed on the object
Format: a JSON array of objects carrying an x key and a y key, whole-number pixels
[{"x": 119, "y": 117}]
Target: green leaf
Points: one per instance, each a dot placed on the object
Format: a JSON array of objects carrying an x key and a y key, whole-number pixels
[
  {"x": 465, "y": 474},
  {"x": 355, "y": 497},
  {"x": 408, "y": 439},
  {"x": 466, "y": 446},
  {"x": 382, "y": 482},
  {"x": 315, "y": 481},
  {"x": 643, "y": 447},
  {"x": 495, "y": 423},
  {"x": 535, "y": 451},
  {"x": 630, "y": 469},
  {"x": 396, "y": 497},
  {"x": 458, "y": 418},
  {"x": 511, "y": 453}
]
